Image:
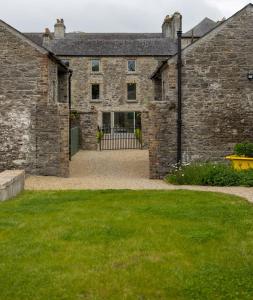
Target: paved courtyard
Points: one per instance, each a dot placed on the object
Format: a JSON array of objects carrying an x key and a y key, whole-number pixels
[{"x": 122, "y": 169}]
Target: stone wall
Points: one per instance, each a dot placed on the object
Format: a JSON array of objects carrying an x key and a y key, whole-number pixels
[
  {"x": 51, "y": 140},
  {"x": 217, "y": 98},
  {"x": 113, "y": 78},
  {"x": 88, "y": 127},
  {"x": 31, "y": 122},
  {"x": 162, "y": 138}
]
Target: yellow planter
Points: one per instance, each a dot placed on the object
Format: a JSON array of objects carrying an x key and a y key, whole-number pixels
[{"x": 241, "y": 163}]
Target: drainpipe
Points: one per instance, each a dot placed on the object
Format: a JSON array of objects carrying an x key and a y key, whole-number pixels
[
  {"x": 69, "y": 82},
  {"x": 179, "y": 98}
]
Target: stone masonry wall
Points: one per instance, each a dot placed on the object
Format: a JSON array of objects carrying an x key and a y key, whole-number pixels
[
  {"x": 217, "y": 95},
  {"x": 51, "y": 140},
  {"x": 162, "y": 136},
  {"x": 88, "y": 126},
  {"x": 163, "y": 126},
  {"x": 30, "y": 125},
  {"x": 113, "y": 78}
]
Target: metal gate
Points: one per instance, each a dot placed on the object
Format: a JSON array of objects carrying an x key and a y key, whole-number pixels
[
  {"x": 118, "y": 138},
  {"x": 74, "y": 140}
]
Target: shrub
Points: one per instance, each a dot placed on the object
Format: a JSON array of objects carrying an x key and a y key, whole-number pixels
[
  {"x": 244, "y": 149},
  {"x": 138, "y": 134},
  {"x": 212, "y": 174},
  {"x": 99, "y": 135}
]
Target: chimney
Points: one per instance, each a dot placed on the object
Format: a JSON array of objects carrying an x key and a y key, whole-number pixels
[
  {"x": 171, "y": 25},
  {"x": 47, "y": 37},
  {"x": 59, "y": 29}
]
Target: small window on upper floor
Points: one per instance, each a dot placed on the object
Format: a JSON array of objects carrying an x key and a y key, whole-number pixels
[
  {"x": 131, "y": 65},
  {"x": 131, "y": 91},
  {"x": 95, "y": 65},
  {"x": 95, "y": 91}
]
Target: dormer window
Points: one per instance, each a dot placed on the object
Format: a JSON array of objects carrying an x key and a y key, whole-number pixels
[
  {"x": 131, "y": 65},
  {"x": 95, "y": 65}
]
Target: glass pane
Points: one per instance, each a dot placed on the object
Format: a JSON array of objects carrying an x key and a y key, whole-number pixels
[
  {"x": 124, "y": 121},
  {"x": 95, "y": 91},
  {"x": 138, "y": 120},
  {"x": 106, "y": 121},
  {"x": 131, "y": 91},
  {"x": 131, "y": 66},
  {"x": 95, "y": 65}
]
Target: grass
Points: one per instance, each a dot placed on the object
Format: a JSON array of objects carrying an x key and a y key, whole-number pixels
[{"x": 126, "y": 245}]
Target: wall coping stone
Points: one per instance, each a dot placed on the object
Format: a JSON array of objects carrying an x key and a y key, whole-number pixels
[{"x": 11, "y": 183}]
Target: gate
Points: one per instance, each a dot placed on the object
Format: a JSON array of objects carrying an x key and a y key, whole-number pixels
[
  {"x": 119, "y": 138},
  {"x": 75, "y": 143}
]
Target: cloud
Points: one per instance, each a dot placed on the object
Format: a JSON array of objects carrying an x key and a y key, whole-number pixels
[
  {"x": 228, "y": 7},
  {"x": 112, "y": 15}
]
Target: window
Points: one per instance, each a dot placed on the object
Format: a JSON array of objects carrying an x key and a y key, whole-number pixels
[
  {"x": 95, "y": 91},
  {"x": 131, "y": 91},
  {"x": 163, "y": 90},
  {"x": 106, "y": 122},
  {"x": 95, "y": 65},
  {"x": 131, "y": 66}
]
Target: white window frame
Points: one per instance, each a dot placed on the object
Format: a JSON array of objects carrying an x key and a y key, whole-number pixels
[
  {"x": 99, "y": 65},
  {"x": 135, "y": 61}
]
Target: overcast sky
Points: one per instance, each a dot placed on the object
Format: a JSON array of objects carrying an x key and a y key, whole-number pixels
[{"x": 112, "y": 15}]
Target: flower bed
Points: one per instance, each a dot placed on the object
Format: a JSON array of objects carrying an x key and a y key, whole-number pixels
[{"x": 212, "y": 174}]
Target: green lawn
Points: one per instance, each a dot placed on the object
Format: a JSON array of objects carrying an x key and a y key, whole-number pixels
[{"x": 126, "y": 245}]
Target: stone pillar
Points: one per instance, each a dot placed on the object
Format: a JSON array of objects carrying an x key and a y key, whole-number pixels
[
  {"x": 88, "y": 127},
  {"x": 145, "y": 126},
  {"x": 63, "y": 110},
  {"x": 51, "y": 137},
  {"x": 162, "y": 138}
]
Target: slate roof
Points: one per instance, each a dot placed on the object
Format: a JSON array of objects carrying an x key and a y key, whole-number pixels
[
  {"x": 109, "y": 44},
  {"x": 118, "y": 44},
  {"x": 201, "y": 29}
]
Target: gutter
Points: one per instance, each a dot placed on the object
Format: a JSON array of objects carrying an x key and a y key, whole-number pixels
[
  {"x": 69, "y": 89},
  {"x": 158, "y": 70},
  {"x": 179, "y": 99},
  {"x": 57, "y": 60}
]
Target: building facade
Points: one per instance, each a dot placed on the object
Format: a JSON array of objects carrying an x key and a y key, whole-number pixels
[
  {"x": 217, "y": 97},
  {"x": 34, "y": 112},
  {"x": 111, "y": 85}
]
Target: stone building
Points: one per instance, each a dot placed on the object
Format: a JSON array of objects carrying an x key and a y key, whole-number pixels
[
  {"x": 34, "y": 112},
  {"x": 217, "y": 97},
  {"x": 111, "y": 84}
]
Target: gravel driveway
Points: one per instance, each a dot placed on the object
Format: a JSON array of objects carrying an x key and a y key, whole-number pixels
[{"x": 122, "y": 169}]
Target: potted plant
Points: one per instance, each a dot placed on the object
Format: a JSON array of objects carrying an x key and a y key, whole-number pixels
[{"x": 242, "y": 159}]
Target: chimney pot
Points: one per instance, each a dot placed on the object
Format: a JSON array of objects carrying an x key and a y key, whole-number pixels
[
  {"x": 47, "y": 37},
  {"x": 171, "y": 25},
  {"x": 59, "y": 29}
]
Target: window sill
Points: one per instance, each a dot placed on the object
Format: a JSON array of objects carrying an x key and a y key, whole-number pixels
[
  {"x": 132, "y": 101},
  {"x": 132, "y": 73},
  {"x": 95, "y": 101},
  {"x": 96, "y": 73}
]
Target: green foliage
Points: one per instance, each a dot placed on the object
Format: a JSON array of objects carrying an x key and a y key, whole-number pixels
[
  {"x": 244, "y": 149},
  {"x": 138, "y": 134},
  {"x": 74, "y": 116},
  {"x": 211, "y": 174},
  {"x": 71, "y": 245},
  {"x": 99, "y": 135}
]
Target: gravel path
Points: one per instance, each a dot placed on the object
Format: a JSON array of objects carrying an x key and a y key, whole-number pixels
[{"x": 127, "y": 169}]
